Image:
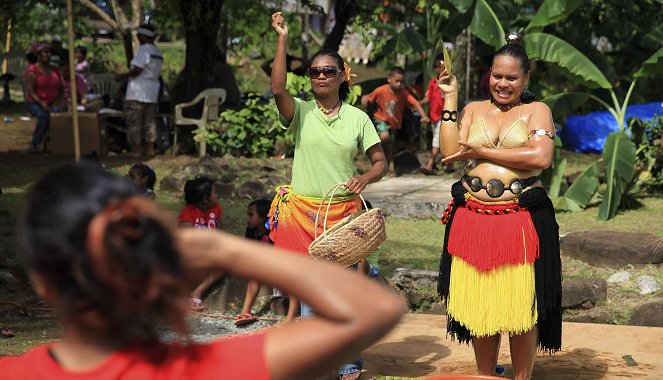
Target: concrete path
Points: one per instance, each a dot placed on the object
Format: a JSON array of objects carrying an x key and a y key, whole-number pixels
[
  {"x": 418, "y": 347},
  {"x": 411, "y": 196}
]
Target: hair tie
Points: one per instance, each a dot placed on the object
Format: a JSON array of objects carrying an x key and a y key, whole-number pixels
[{"x": 348, "y": 76}]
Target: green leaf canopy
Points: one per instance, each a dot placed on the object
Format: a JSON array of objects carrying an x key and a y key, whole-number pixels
[
  {"x": 552, "y": 49},
  {"x": 552, "y": 11},
  {"x": 486, "y": 25},
  {"x": 652, "y": 66}
]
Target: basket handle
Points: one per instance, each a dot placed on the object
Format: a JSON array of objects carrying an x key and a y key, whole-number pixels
[{"x": 317, "y": 215}]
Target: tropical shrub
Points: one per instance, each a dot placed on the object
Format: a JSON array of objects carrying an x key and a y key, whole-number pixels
[{"x": 251, "y": 131}]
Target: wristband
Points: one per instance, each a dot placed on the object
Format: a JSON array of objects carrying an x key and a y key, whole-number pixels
[{"x": 449, "y": 115}]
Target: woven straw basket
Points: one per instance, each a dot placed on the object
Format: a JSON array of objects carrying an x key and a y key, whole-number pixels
[{"x": 352, "y": 239}]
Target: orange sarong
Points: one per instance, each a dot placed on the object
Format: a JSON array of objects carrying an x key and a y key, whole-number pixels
[{"x": 292, "y": 218}]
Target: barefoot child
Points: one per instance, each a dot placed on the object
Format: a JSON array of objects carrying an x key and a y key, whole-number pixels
[
  {"x": 203, "y": 212},
  {"x": 144, "y": 178},
  {"x": 256, "y": 217}
]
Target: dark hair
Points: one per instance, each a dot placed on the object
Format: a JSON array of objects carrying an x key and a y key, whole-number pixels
[
  {"x": 438, "y": 58},
  {"x": 145, "y": 171},
  {"x": 344, "y": 90},
  {"x": 196, "y": 189},
  {"x": 82, "y": 49},
  {"x": 107, "y": 253},
  {"x": 396, "y": 70},
  {"x": 515, "y": 50},
  {"x": 262, "y": 207}
]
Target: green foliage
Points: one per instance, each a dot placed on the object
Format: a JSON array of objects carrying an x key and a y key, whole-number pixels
[
  {"x": 619, "y": 159},
  {"x": 649, "y": 160},
  {"x": 581, "y": 190},
  {"x": 250, "y": 131},
  {"x": 298, "y": 86},
  {"x": 486, "y": 25},
  {"x": 553, "y": 176}
]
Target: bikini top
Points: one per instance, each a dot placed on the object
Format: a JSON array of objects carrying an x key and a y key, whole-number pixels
[{"x": 515, "y": 136}]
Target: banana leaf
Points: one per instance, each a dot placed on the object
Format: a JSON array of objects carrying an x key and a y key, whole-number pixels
[
  {"x": 486, "y": 25},
  {"x": 405, "y": 41},
  {"x": 619, "y": 158},
  {"x": 462, "y": 5},
  {"x": 652, "y": 66},
  {"x": 552, "y": 11},
  {"x": 581, "y": 190},
  {"x": 563, "y": 103},
  {"x": 555, "y": 50}
]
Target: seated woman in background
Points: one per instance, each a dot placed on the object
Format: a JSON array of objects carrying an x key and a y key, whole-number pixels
[{"x": 116, "y": 268}]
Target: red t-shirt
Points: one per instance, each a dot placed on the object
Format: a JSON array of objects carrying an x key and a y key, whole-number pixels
[
  {"x": 211, "y": 219},
  {"x": 47, "y": 85},
  {"x": 391, "y": 104},
  {"x": 236, "y": 357},
  {"x": 436, "y": 101}
]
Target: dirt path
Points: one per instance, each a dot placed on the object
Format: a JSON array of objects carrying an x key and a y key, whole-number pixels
[{"x": 418, "y": 348}]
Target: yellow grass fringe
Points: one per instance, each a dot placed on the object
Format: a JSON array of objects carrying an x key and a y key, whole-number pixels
[{"x": 487, "y": 303}]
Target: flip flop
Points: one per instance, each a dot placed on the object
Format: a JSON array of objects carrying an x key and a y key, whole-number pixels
[
  {"x": 6, "y": 332},
  {"x": 245, "y": 319},
  {"x": 197, "y": 304}
]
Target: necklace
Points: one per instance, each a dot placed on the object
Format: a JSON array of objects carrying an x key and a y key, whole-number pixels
[
  {"x": 325, "y": 110},
  {"x": 506, "y": 107}
]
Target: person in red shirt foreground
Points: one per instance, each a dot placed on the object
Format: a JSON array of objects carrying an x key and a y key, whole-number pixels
[{"x": 117, "y": 269}]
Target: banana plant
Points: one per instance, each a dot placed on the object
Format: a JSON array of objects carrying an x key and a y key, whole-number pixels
[{"x": 619, "y": 150}]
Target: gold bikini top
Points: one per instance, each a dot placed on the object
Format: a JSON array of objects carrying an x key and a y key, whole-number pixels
[{"x": 514, "y": 137}]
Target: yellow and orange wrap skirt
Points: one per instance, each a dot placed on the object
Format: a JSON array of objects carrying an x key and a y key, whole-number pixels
[
  {"x": 291, "y": 218},
  {"x": 500, "y": 269}
]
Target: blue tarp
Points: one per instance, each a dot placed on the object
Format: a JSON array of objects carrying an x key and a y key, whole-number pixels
[{"x": 587, "y": 133}]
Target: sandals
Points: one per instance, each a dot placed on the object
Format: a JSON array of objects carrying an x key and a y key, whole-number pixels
[
  {"x": 197, "y": 304},
  {"x": 6, "y": 332},
  {"x": 245, "y": 319}
]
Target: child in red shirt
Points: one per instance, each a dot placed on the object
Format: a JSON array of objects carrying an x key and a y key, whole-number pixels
[
  {"x": 204, "y": 212},
  {"x": 435, "y": 98},
  {"x": 391, "y": 100}
]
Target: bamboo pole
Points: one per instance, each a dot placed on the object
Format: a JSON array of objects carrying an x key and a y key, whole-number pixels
[
  {"x": 72, "y": 80},
  {"x": 7, "y": 46}
]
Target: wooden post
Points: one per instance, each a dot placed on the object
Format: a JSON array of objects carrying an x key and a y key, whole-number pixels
[
  {"x": 7, "y": 46},
  {"x": 72, "y": 80}
]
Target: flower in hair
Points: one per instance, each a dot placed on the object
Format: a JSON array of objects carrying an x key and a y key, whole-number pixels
[
  {"x": 513, "y": 38},
  {"x": 348, "y": 76}
]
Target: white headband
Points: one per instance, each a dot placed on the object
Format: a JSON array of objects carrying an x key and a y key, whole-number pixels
[{"x": 146, "y": 32}]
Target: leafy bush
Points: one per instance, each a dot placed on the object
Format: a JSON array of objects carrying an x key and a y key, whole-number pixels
[
  {"x": 649, "y": 161},
  {"x": 251, "y": 131}
]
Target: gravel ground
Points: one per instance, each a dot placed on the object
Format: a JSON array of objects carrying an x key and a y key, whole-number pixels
[{"x": 205, "y": 329}]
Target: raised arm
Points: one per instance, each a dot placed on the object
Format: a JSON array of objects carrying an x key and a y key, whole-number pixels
[
  {"x": 449, "y": 135},
  {"x": 284, "y": 101},
  {"x": 346, "y": 321}
]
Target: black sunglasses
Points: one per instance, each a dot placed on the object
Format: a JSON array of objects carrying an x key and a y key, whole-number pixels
[{"x": 327, "y": 71}]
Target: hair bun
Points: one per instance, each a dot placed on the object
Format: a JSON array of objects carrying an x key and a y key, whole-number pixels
[{"x": 513, "y": 38}]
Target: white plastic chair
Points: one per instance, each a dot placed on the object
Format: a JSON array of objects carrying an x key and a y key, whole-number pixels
[{"x": 213, "y": 98}]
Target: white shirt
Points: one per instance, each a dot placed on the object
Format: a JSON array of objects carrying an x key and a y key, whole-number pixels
[{"x": 145, "y": 86}]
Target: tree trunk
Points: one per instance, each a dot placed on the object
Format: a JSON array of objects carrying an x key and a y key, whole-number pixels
[
  {"x": 127, "y": 42},
  {"x": 344, "y": 10},
  {"x": 205, "y": 34}
]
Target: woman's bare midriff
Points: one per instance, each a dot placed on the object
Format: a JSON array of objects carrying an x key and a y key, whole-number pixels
[{"x": 487, "y": 170}]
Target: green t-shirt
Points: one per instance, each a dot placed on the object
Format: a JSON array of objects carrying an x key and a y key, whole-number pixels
[{"x": 326, "y": 147}]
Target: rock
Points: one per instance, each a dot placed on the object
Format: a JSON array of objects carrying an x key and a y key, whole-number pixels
[
  {"x": 577, "y": 293},
  {"x": 224, "y": 190},
  {"x": 621, "y": 276},
  {"x": 648, "y": 284},
  {"x": 251, "y": 190},
  {"x": 608, "y": 248},
  {"x": 648, "y": 314},
  {"x": 406, "y": 162},
  {"x": 8, "y": 279},
  {"x": 591, "y": 316},
  {"x": 438, "y": 308}
]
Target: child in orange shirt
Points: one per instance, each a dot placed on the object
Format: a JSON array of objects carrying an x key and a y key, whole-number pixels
[{"x": 391, "y": 100}]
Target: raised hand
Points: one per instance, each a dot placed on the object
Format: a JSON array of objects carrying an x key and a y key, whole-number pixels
[
  {"x": 278, "y": 23},
  {"x": 448, "y": 84}
]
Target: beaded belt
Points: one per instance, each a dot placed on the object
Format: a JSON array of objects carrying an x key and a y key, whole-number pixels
[{"x": 496, "y": 188}]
